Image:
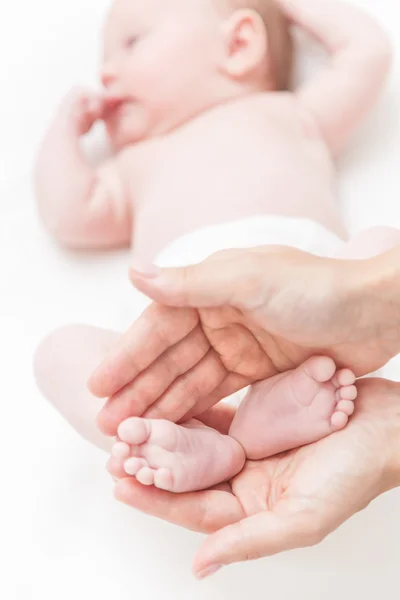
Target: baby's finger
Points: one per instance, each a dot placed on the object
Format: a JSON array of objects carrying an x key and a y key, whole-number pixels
[{"x": 95, "y": 107}]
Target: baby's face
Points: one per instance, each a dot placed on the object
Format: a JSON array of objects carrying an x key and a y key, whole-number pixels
[{"x": 159, "y": 61}]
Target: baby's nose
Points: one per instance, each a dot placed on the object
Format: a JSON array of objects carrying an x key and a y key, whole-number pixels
[{"x": 107, "y": 76}]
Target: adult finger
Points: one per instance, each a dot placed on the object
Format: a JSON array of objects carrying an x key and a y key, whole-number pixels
[
  {"x": 205, "y": 511},
  {"x": 156, "y": 330},
  {"x": 233, "y": 277},
  {"x": 219, "y": 417},
  {"x": 154, "y": 382},
  {"x": 189, "y": 389},
  {"x": 232, "y": 384},
  {"x": 260, "y": 535}
]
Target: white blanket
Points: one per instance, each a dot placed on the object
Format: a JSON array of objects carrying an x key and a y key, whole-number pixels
[{"x": 62, "y": 534}]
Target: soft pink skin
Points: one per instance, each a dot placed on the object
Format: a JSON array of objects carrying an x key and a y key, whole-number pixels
[
  {"x": 66, "y": 359},
  {"x": 163, "y": 115},
  {"x": 292, "y": 500},
  {"x": 287, "y": 411},
  {"x": 145, "y": 45},
  {"x": 169, "y": 112}
]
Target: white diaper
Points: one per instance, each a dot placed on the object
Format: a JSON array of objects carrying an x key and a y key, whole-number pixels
[{"x": 247, "y": 233}]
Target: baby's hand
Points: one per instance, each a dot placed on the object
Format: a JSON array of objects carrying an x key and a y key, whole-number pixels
[{"x": 83, "y": 107}]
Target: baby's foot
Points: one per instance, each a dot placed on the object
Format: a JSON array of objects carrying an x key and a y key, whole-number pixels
[
  {"x": 177, "y": 458},
  {"x": 295, "y": 408}
]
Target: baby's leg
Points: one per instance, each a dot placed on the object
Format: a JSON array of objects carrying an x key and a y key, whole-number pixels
[
  {"x": 63, "y": 364},
  {"x": 177, "y": 458}
]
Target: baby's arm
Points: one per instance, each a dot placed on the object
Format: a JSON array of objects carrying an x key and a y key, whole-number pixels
[
  {"x": 341, "y": 95},
  {"x": 81, "y": 206}
]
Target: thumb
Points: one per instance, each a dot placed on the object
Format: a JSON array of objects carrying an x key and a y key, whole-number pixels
[
  {"x": 263, "y": 534},
  {"x": 232, "y": 277}
]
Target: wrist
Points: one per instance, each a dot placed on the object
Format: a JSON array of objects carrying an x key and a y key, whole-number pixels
[
  {"x": 386, "y": 404},
  {"x": 378, "y": 414},
  {"x": 391, "y": 478},
  {"x": 392, "y": 471},
  {"x": 370, "y": 291}
]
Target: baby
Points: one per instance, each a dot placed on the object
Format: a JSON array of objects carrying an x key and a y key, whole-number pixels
[{"x": 211, "y": 151}]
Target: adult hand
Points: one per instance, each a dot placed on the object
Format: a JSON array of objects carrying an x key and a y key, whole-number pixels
[
  {"x": 291, "y": 500},
  {"x": 254, "y": 313}
]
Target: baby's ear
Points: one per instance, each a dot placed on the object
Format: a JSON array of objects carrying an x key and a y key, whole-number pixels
[{"x": 245, "y": 43}]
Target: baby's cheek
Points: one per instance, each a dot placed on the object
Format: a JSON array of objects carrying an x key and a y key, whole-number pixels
[
  {"x": 163, "y": 66},
  {"x": 149, "y": 67}
]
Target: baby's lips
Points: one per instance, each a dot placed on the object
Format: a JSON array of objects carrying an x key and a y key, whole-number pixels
[
  {"x": 113, "y": 100},
  {"x": 111, "y": 103}
]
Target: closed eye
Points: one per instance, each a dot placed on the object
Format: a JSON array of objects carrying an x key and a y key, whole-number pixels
[{"x": 131, "y": 41}]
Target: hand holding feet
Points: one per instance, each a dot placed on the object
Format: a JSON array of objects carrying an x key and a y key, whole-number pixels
[{"x": 290, "y": 410}]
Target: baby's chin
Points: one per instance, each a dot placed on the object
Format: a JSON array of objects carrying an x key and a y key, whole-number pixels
[
  {"x": 128, "y": 131},
  {"x": 122, "y": 137},
  {"x": 127, "y": 128}
]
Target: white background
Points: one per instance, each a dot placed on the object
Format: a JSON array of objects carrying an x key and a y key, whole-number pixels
[{"x": 61, "y": 533}]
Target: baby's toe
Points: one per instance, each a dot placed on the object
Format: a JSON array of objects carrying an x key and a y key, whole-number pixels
[
  {"x": 320, "y": 368},
  {"x": 120, "y": 450},
  {"x": 344, "y": 377},
  {"x": 348, "y": 392},
  {"x": 163, "y": 479},
  {"x": 116, "y": 468},
  {"x": 133, "y": 465},
  {"x": 145, "y": 476},
  {"x": 339, "y": 421},
  {"x": 346, "y": 406},
  {"x": 134, "y": 431}
]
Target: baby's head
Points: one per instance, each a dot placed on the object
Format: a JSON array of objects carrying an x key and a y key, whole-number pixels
[{"x": 169, "y": 60}]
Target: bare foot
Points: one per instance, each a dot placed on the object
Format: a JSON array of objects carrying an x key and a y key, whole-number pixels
[
  {"x": 177, "y": 458},
  {"x": 295, "y": 408}
]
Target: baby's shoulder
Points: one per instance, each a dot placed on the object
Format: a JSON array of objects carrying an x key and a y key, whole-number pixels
[
  {"x": 292, "y": 109},
  {"x": 273, "y": 105}
]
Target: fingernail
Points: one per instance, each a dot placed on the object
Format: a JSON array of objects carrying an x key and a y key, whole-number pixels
[
  {"x": 145, "y": 270},
  {"x": 208, "y": 571}
]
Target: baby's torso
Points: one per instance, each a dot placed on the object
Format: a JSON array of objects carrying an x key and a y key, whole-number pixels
[{"x": 251, "y": 157}]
